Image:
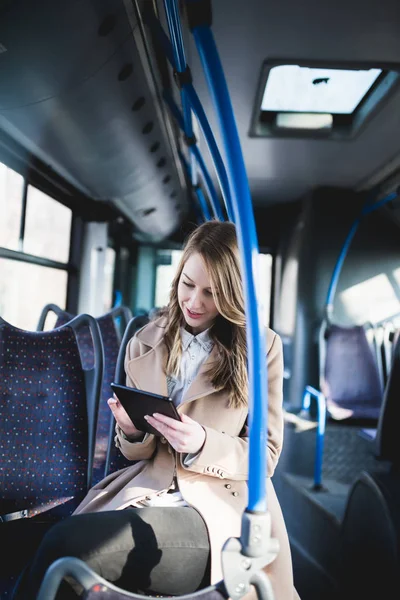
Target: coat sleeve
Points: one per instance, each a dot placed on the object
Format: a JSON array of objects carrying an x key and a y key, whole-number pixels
[
  {"x": 226, "y": 456},
  {"x": 141, "y": 448}
]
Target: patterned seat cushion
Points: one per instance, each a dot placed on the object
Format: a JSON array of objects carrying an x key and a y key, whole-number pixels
[
  {"x": 111, "y": 344},
  {"x": 44, "y": 436}
]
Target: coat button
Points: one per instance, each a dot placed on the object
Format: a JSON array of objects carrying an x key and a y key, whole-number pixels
[
  {"x": 235, "y": 494},
  {"x": 228, "y": 486},
  {"x": 163, "y": 440}
]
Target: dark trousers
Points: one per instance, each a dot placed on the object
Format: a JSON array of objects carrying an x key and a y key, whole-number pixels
[{"x": 155, "y": 550}]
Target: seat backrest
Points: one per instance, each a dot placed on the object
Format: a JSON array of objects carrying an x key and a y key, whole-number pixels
[
  {"x": 110, "y": 326},
  {"x": 369, "y": 537},
  {"x": 111, "y": 343},
  {"x": 49, "y": 406},
  {"x": 83, "y": 335},
  {"x": 350, "y": 377},
  {"x": 387, "y": 439},
  {"x": 116, "y": 460}
]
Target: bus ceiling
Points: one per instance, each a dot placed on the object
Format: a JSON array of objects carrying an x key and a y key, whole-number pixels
[{"x": 81, "y": 87}]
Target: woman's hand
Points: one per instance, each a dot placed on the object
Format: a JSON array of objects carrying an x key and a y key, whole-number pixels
[
  {"x": 122, "y": 418},
  {"x": 186, "y": 436}
]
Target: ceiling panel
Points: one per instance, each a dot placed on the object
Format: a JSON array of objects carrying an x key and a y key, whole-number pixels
[{"x": 249, "y": 33}]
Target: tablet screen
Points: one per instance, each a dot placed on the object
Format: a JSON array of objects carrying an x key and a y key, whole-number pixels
[{"x": 139, "y": 403}]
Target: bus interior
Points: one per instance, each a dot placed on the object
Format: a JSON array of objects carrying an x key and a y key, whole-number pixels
[{"x": 98, "y": 190}]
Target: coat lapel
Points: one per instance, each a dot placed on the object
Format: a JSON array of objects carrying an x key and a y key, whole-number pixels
[{"x": 147, "y": 371}]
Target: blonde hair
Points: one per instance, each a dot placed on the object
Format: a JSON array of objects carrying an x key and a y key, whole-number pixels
[{"x": 217, "y": 245}]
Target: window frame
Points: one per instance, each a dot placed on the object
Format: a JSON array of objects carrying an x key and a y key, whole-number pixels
[
  {"x": 345, "y": 127},
  {"x": 71, "y": 267}
]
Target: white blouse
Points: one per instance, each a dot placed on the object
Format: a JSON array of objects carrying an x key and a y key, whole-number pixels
[{"x": 195, "y": 351}]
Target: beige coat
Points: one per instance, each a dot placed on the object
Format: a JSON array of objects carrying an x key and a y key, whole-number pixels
[{"x": 215, "y": 483}]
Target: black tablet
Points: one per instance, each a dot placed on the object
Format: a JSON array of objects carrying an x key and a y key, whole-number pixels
[{"x": 138, "y": 403}]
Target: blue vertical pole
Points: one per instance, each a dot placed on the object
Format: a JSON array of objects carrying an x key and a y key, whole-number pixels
[
  {"x": 212, "y": 147},
  {"x": 199, "y": 192},
  {"x": 248, "y": 244},
  {"x": 208, "y": 182}
]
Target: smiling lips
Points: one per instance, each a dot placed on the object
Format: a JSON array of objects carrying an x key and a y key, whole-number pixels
[{"x": 193, "y": 315}]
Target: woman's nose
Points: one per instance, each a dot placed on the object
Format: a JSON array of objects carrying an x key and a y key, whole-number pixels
[{"x": 195, "y": 301}]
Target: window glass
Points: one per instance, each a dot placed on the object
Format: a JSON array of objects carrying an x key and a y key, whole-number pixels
[
  {"x": 25, "y": 289},
  {"x": 371, "y": 300},
  {"x": 48, "y": 227},
  {"x": 167, "y": 265},
  {"x": 316, "y": 90},
  {"x": 109, "y": 267},
  {"x": 264, "y": 285},
  {"x": 11, "y": 190}
]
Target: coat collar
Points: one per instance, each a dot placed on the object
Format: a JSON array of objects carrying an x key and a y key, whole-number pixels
[{"x": 147, "y": 371}]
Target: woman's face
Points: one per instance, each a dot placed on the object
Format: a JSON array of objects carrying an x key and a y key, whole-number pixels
[{"x": 195, "y": 295}]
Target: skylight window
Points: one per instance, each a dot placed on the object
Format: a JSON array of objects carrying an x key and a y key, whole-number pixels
[
  {"x": 315, "y": 99},
  {"x": 291, "y": 88}
]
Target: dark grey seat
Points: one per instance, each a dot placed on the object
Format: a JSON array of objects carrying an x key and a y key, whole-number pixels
[
  {"x": 115, "y": 460},
  {"x": 371, "y": 526}
]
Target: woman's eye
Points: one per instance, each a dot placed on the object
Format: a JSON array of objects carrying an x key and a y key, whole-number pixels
[
  {"x": 189, "y": 285},
  {"x": 208, "y": 293}
]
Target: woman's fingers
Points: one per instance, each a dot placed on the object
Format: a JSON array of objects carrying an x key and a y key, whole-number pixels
[
  {"x": 186, "y": 436},
  {"x": 161, "y": 427},
  {"x": 172, "y": 423},
  {"x": 121, "y": 416}
]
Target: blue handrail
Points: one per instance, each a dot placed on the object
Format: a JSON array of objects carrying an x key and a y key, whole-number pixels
[
  {"x": 321, "y": 419},
  {"x": 248, "y": 244},
  {"x": 195, "y": 151},
  {"x": 213, "y": 148},
  {"x": 189, "y": 100},
  {"x": 199, "y": 192},
  {"x": 255, "y": 539},
  {"x": 367, "y": 209}
]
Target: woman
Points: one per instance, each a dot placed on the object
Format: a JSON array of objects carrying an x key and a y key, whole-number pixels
[{"x": 159, "y": 525}]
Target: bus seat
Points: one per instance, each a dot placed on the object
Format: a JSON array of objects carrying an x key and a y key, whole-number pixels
[
  {"x": 350, "y": 391},
  {"x": 370, "y": 533},
  {"x": 48, "y": 405},
  {"x": 39, "y": 371},
  {"x": 387, "y": 445},
  {"x": 83, "y": 336},
  {"x": 115, "y": 459},
  {"x": 97, "y": 588},
  {"x": 370, "y": 538},
  {"x": 350, "y": 376},
  {"x": 110, "y": 334}
]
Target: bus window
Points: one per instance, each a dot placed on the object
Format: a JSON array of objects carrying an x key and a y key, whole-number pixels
[
  {"x": 109, "y": 267},
  {"x": 11, "y": 191},
  {"x": 47, "y": 227},
  {"x": 166, "y": 265},
  {"x": 264, "y": 282},
  {"x": 25, "y": 288},
  {"x": 372, "y": 300}
]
